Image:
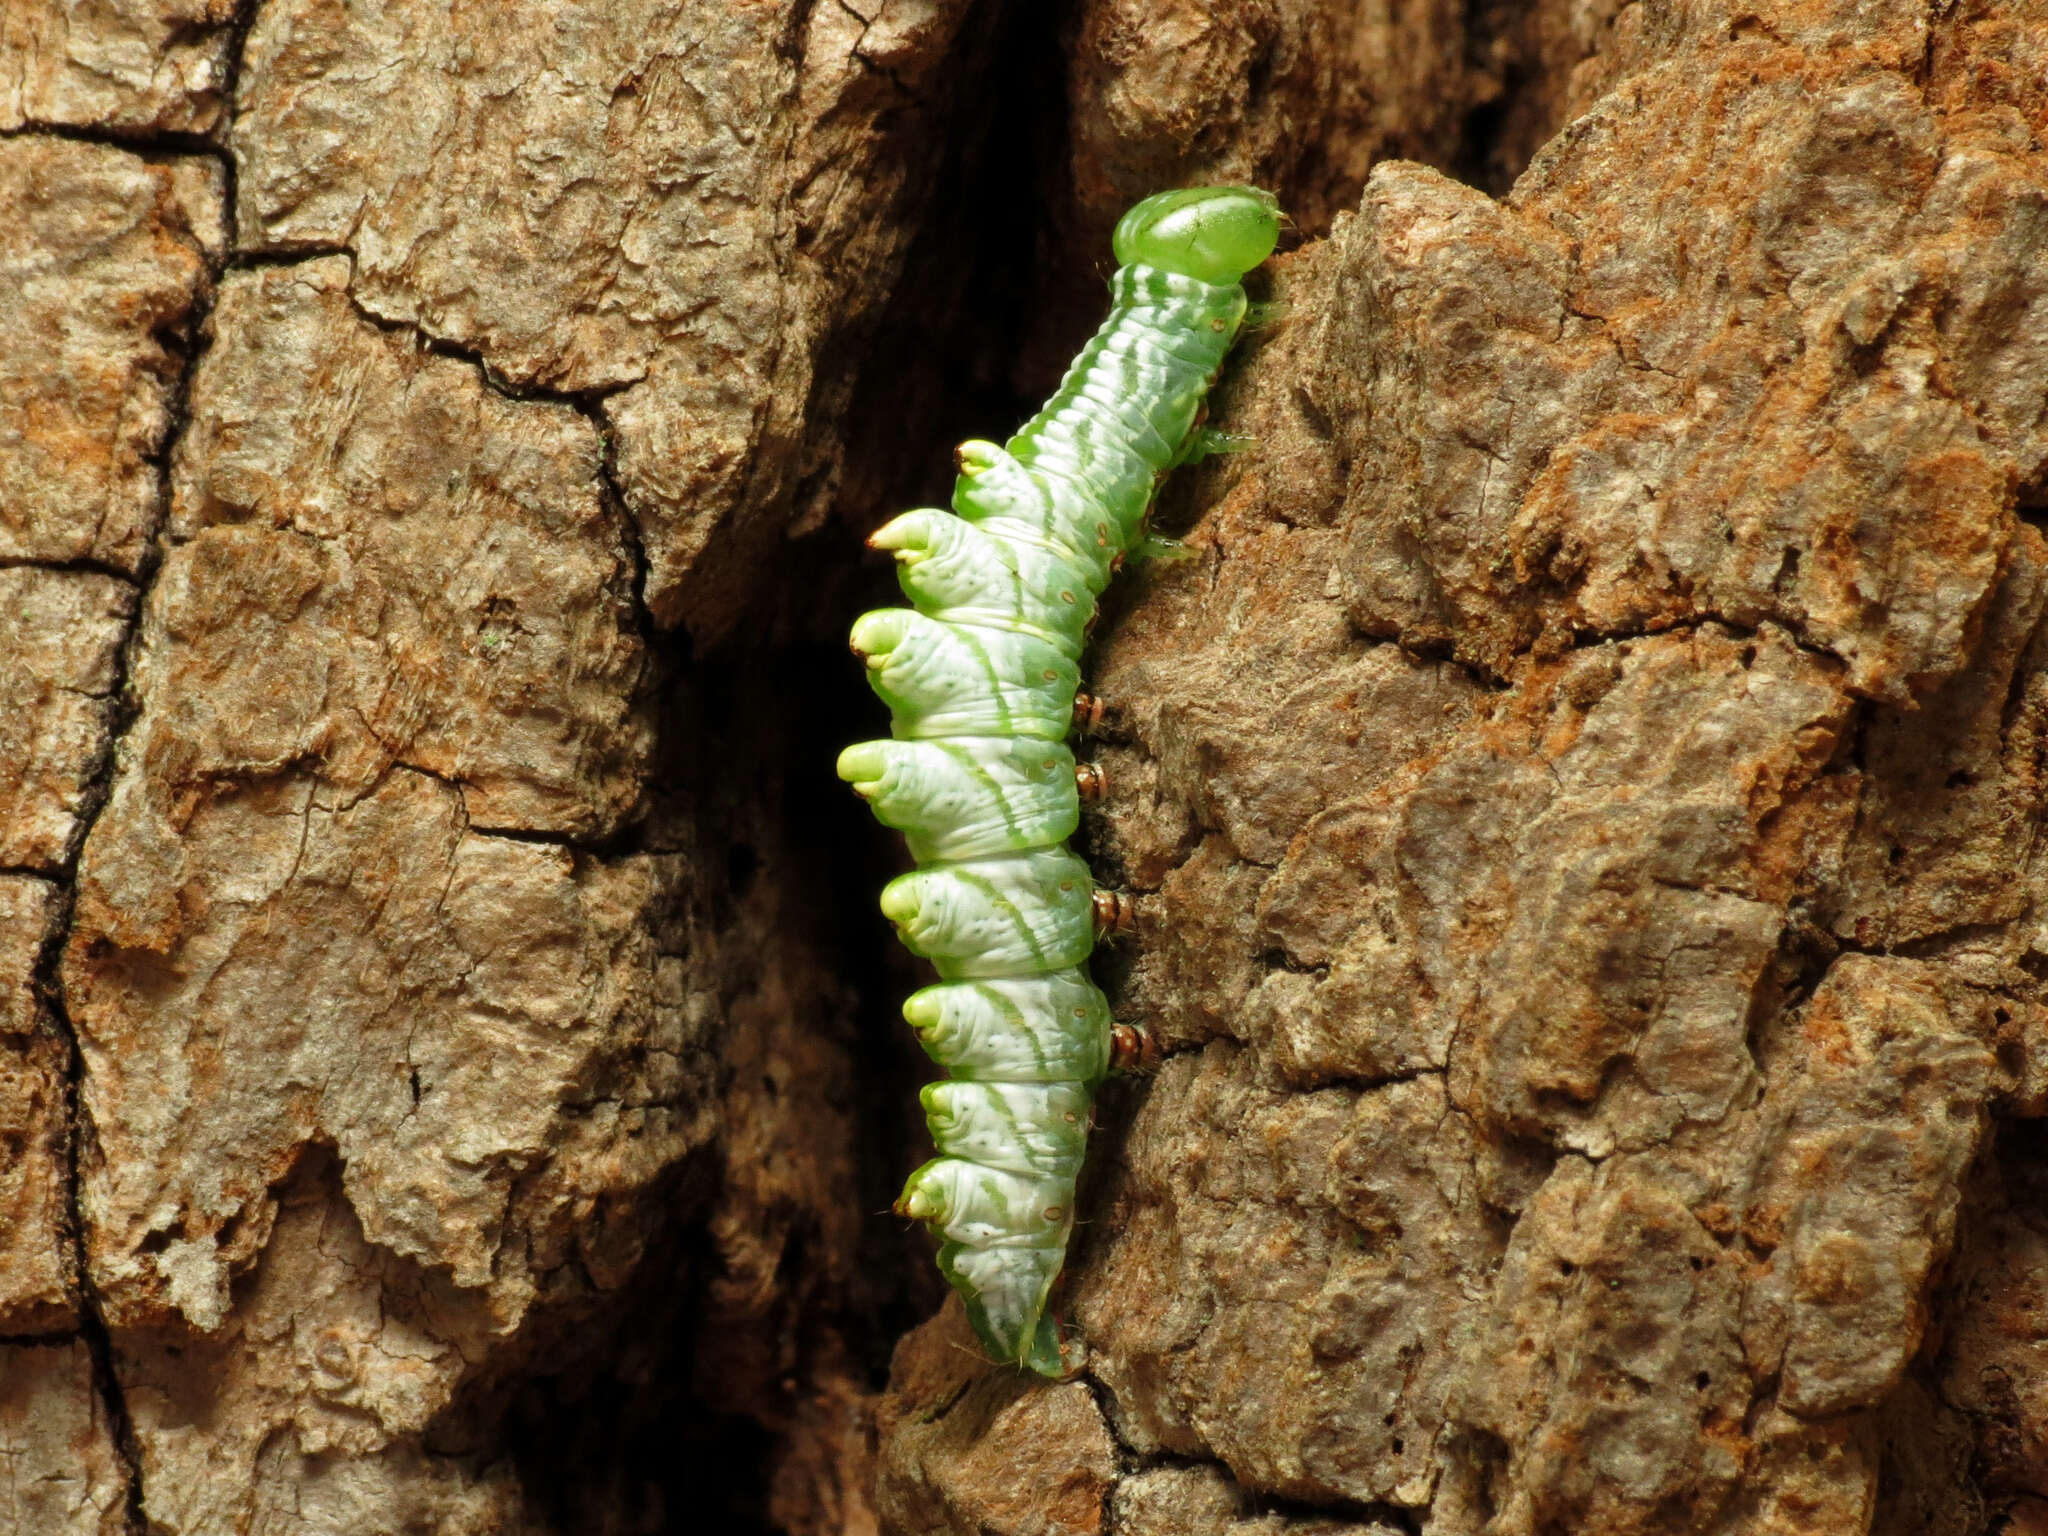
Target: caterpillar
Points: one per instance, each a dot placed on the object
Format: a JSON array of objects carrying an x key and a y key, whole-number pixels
[{"x": 980, "y": 675}]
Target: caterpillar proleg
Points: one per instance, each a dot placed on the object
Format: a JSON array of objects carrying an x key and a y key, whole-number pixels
[{"x": 980, "y": 675}]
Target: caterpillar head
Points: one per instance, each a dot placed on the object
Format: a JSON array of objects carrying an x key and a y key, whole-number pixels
[{"x": 1216, "y": 234}]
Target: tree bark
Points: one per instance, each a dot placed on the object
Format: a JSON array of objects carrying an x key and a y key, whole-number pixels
[{"x": 1584, "y": 796}]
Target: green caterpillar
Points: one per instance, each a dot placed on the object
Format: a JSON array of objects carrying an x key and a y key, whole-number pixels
[{"x": 980, "y": 676}]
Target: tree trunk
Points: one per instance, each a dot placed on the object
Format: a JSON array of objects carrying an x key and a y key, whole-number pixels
[{"x": 1583, "y": 797}]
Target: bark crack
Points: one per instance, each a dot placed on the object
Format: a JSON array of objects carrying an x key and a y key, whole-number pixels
[
  {"x": 1258, "y": 1505},
  {"x": 48, "y": 985},
  {"x": 586, "y": 403},
  {"x": 83, "y": 565},
  {"x": 153, "y": 144},
  {"x": 47, "y": 978},
  {"x": 583, "y": 401}
]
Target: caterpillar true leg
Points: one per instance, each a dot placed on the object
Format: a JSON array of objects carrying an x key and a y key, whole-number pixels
[
  {"x": 1158, "y": 548},
  {"x": 1116, "y": 913},
  {"x": 980, "y": 674},
  {"x": 1266, "y": 315},
  {"x": 1210, "y": 443},
  {"x": 1132, "y": 1049}
]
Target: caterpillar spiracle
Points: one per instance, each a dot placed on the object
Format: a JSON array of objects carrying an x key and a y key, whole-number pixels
[{"x": 980, "y": 675}]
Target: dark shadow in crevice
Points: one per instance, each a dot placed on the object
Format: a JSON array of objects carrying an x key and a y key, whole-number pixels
[
  {"x": 620, "y": 1444},
  {"x": 948, "y": 359},
  {"x": 684, "y": 1421},
  {"x": 1515, "y": 89},
  {"x": 1478, "y": 161},
  {"x": 687, "y": 1413}
]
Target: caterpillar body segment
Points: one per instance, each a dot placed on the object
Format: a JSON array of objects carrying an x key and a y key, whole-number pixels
[
  {"x": 958, "y": 573},
  {"x": 1006, "y": 1289},
  {"x": 981, "y": 678},
  {"x": 967, "y": 797},
  {"x": 1053, "y": 1028},
  {"x": 1017, "y": 915},
  {"x": 998, "y": 494},
  {"x": 942, "y": 680},
  {"x": 1034, "y": 1129},
  {"x": 984, "y": 1207}
]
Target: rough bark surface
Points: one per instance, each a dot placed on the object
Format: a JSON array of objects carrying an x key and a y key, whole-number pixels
[{"x": 1584, "y": 796}]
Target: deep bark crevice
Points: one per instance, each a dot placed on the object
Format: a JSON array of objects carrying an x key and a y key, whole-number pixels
[
  {"x": 48, "y": 979},
  {"x": 154, "y": 145},
  {"x": 92, "y": 1317},
  {"x": 49, "y": 985},
  {"x": 772, "y": 707}
]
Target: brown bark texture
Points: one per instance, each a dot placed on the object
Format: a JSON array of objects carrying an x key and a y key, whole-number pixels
[{"x": 1584, "y": 794}]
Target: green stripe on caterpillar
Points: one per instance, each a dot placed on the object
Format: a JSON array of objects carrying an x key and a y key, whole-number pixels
[{"x": 980, "y": 676}]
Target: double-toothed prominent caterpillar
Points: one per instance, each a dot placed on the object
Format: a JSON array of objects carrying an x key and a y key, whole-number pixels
[{"x": 980, "y": 675}]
